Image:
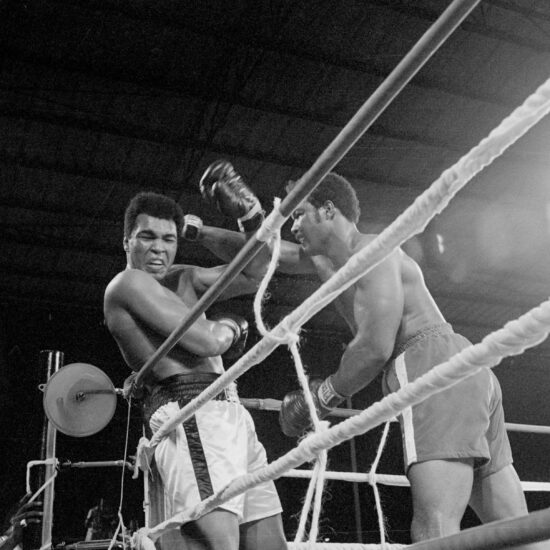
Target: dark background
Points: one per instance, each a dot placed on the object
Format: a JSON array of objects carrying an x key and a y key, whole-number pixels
[{"x": 102, "y": 99}]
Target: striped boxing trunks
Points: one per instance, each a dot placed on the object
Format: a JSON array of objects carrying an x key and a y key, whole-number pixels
[
  {"x": 464, "y": 421},
  {"x": 210, "y": 449}
]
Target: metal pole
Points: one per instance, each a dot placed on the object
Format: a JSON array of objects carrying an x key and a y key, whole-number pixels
[
  {"x": 50, "y": 361},
  {"x": 355, "y": 486},
  {"x": 415, "y": 59}
]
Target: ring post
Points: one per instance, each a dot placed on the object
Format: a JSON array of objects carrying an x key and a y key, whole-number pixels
[
  {"x": 401, "y": 75},
  {"x": 50, "y": 362}
]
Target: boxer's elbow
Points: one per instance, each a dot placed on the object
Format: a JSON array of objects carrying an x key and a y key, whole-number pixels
[{"x": 380, "y": 353}]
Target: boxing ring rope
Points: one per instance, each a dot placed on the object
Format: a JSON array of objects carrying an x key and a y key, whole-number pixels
[
  {"x": 412, "y": 220},
  {"x": 498, "y": 534},
  {"x": 98, "y": 464},
  {"x": 405, "y": 70},
  {"x": 270, "y": 404},
  {"x": 394, "y": 480},
  {"x": 528, "y": 428},
  {"x": 385, "y": 479},
  {"x": 362, "y": 546},
  {"x": 528, "y": 330},
  {"x": 428, "y": 44}
]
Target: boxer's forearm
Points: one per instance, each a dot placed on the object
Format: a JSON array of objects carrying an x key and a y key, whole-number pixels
[{"x": 226, "y": 244}]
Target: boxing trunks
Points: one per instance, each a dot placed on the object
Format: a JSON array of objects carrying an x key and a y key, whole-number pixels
[
  {"x": 464, "y": 421},
  {"x": 210, "y": 449}
]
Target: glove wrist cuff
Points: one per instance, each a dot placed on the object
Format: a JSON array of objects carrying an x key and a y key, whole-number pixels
[
  {"x": 328, "y": 396},
  {"x": 192, "y": 228},
  {"x": 252, "y": 219}
]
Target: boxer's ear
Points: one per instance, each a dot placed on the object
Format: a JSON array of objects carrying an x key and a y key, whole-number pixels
[{"x": 330, "y": 210}]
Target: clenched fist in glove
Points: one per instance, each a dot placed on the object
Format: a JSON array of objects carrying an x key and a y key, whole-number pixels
[
  {"x": 239, "y": 325},
  {"x": 294, "y": 415},
  {"x": 222, "y": 187}
]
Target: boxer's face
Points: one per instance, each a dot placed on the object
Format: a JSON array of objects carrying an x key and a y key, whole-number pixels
[
  {"x": 308, "y": 228},
  {"x": 152, "y": 245}
]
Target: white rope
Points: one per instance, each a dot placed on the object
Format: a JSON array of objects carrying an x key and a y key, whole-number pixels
[
  {"x": 412, "y": 221},
  {"x": 268, "y": 404},
  {"x": 354, "y": 477},
  {"x": 315, "y": 489},
  {"x": 314, "y": 493},
  {"x": 536, "y": 486},
  {"x": 140, "y": 541},
  {"x": 299, "y": 537},
  {"x": 372, "y": 481},
  {"x": 271, "y": 225},
  {"x": 262, "y": 293},
  {"x": 342, "y": 546},
  {"x": 395, "y": 480},
  {"x": 318, "y": 479},
  {"x": 529, "y": 330},
  {"x": 528, "y": 428},
  {"x": 31, "y": 464},
  {"x": 121, "y": 528}
]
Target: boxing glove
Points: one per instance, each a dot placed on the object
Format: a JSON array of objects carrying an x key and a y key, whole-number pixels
[
  {"x": 224, "y": 188},
  {"x": 192, "y": 228},
  {"x": 294, "y": 417},
  {"x": 239, "y": 326}
]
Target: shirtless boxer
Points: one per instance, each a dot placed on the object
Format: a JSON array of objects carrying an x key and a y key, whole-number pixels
[
  {"x": 143, "y": 305},
  {"x": 456, "y": 448}
]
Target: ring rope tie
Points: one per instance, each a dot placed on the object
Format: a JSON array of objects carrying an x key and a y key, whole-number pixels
[
  {"x": 272, "y": 224},
  {"x": 314, "y": 492},
  {"x": 373, "y": 484}
]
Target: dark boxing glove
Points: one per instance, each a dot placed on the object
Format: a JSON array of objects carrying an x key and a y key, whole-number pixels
[
  {"x": 192, "y": 228},
  {"x": 239, "y": 326},
  {"x": 294, "y": 417},
  {"x": 224, "y": 188}
]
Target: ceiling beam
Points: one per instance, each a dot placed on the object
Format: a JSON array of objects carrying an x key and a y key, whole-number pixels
[
  {"x": 260, "y": 40},
  {"x": 528, "y": 13},
  {"x": 211, "y": 94},
  {"x": 122, "y": 128}
]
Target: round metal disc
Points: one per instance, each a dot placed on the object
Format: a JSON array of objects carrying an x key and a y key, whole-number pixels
[{"x": 79, "y": 400}]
